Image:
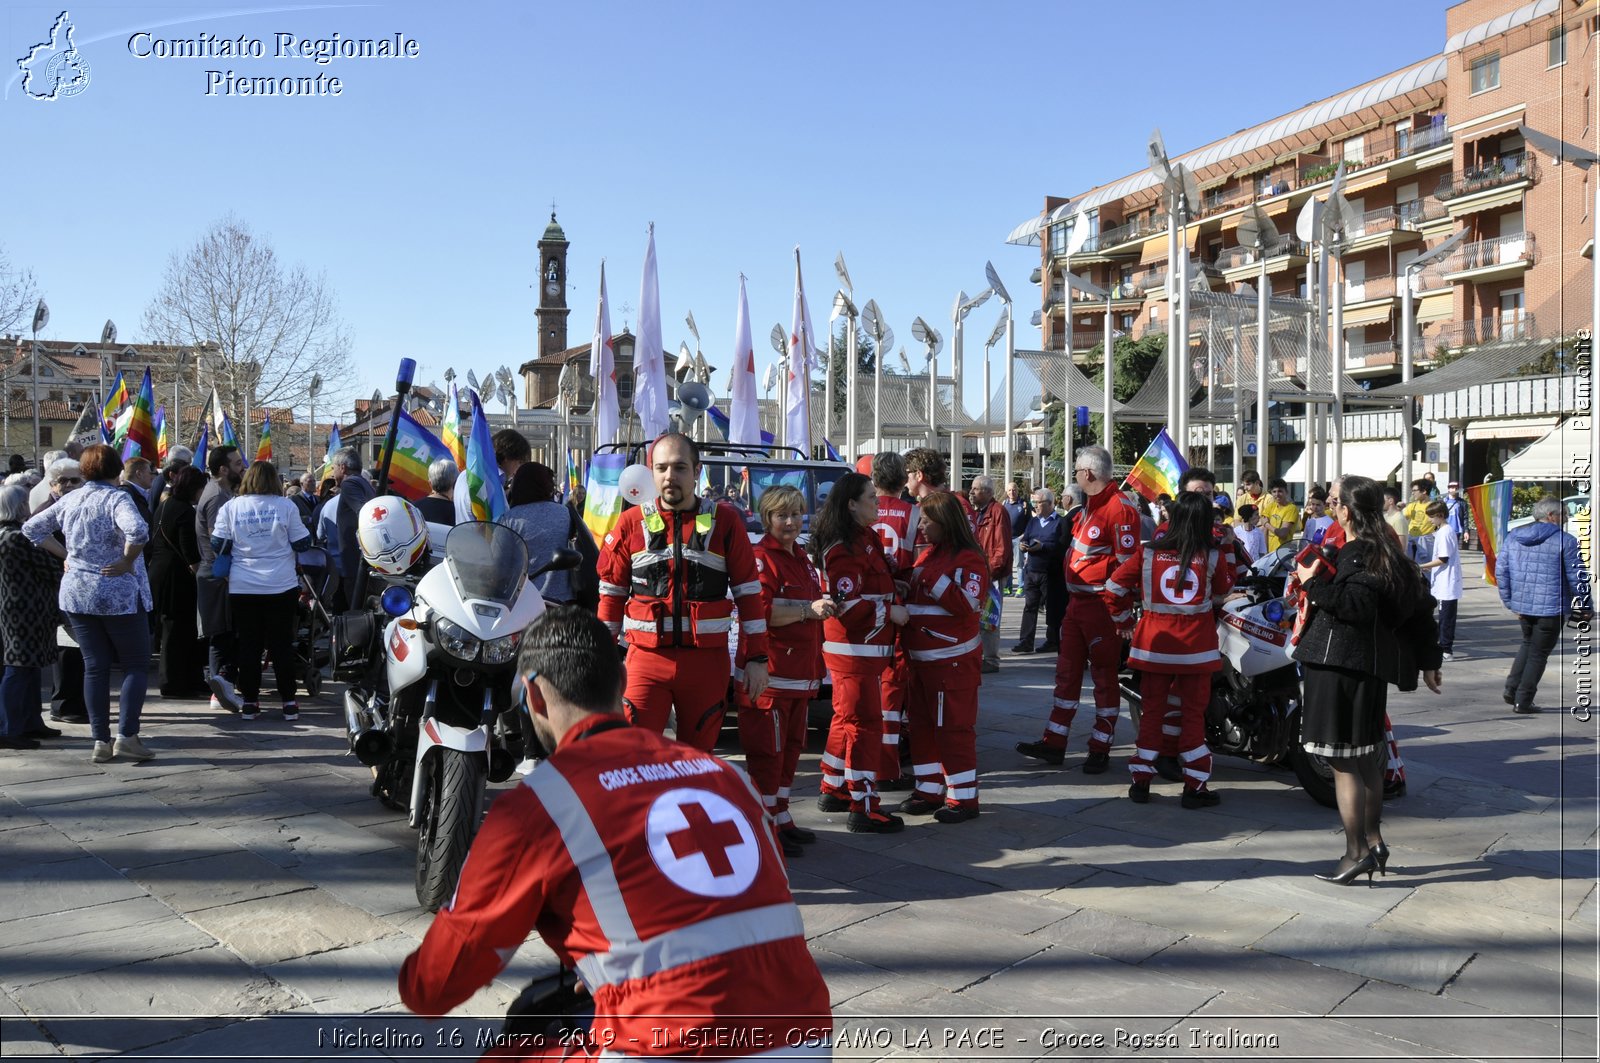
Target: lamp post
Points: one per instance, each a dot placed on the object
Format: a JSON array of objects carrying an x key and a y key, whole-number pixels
[
  {"x": 108, "y": 336},
  {"x": 311, "y": 426},
  {"x": 926, "y": 334},
  {"x": 779, "y": 338},
  {"x": 1094, "y": 291},
  {"x": 1407, "y": 328},
  {"x": 828, "y": 382},
  {"x": 988, "y": 400},
  {"x": 845, "y": 306},
  {"x": 963, "y": 307},
  {"x": 999, "y": 289}
]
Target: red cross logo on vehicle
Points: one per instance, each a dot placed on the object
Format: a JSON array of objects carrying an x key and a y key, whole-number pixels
[{"x": 379, "y": 513}]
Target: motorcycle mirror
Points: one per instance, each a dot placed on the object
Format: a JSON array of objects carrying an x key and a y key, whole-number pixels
[
  {"x": 563, "y": 560},
  {"x": 396, "y": 601}
]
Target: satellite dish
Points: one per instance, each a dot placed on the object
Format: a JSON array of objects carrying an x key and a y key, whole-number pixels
[
  {"x": 1308, "y": 221},
  {"x": 780, "y": 339},
  {"x": 993, "y": 278},
  {"x": 999, "y": 331},
  {"x": 919, "y": 330},
  {"x": 1079, "y": 235},
  {"x": 887, "y": 339},
  {"x": 692, "y": 329},
  {"x": 770, "y": 380},
  {"x": 1257, "y": 231},
  {"x": 844, "y": 274},
  {"x": 636, "y": 484},
  {"x": 1157, "y": 152},
  {"x": 695, "y": 396},
  {"x": 905, "y": 363},
  {"x": 685, "y": 360},
  {"x": 108, "y": 335}
]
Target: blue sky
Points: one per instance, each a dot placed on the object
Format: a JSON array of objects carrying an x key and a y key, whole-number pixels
[{"x": 910, "y": 136}]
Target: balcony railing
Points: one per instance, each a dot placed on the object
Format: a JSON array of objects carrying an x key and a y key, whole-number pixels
[
  {"x": 1121, "y": 234},
  {"x": 1377, "y": 286},
  {"x": 1379, "y": 352},
  {"x": 1224, "y": 199},
  {"x": 1085, "y": 338},
  {"x": 1234, "y": 257},
  {"x": 1480, "y": 254},
  {"x": 1497, "y": 174},
  {"x": 1502, "y": 328}
]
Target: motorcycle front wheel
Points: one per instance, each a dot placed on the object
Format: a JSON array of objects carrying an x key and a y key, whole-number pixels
[
  {"x": 452, "y": 800},
  {"x": 1315, "y": 776}
]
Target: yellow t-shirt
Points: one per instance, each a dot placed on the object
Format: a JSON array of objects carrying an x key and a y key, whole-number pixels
[
  {"x": 1282, "y": 521},
  {"x": 1417, "y": 522}
]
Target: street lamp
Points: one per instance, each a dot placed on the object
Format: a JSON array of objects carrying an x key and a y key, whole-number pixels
[
  {"x": 988, "y": 399},
  {"x": 312, "y": 390},
  {"x": 1256, "y": 231},
  {"x": 958, "y": 315},
  {"x": 1011, "y": 359},
  {"x": 108, "y": 336},
  {"x": 883, "y": 338},
  {"x": 779, "y": 338},
  {"x": 1407, "y": 326},
  {"x": 843, "y": 306},
  {"x": 1094, "y": 291},
  {"x": 41, "y": 318},
  {"x": 925, "y": 333}
]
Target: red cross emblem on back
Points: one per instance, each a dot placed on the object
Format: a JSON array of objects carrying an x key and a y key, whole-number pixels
[
  {"x": 703, "y": 842},
  {"x": 711, "y": 840}
]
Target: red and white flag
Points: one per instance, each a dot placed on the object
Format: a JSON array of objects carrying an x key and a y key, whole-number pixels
[
  {"x": 744, "y": 418},
  {"x": 604, "y": 371},
  {"x": 649, "y": 358},
  {"x": 797, "y": 422}
]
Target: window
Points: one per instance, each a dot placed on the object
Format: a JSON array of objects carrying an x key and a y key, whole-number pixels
[
  {"x": 1059, "y": 235},
  {"x": 1557, "y": 54},
  {"x": 47, "y": 436},
  {"x": 1355, "y": 150},
  {"x": 1486, "y": 73},
  {"x": 1402, "y": 138}
]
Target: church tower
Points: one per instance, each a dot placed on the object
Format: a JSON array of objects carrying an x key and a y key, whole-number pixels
[{"x": 553, "y": 311}]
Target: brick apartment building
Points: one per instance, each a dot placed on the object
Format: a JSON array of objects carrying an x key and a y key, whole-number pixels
[{"x": 1429, "y": 150}]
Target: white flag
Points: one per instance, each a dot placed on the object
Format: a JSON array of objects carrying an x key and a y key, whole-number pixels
[
  {"x": 216, "y": 414},
  {"x": 604, "y": 371},
  {"x": 649, "y": 365},
  {"x": 744, "y": 418},
  {"x": 797, "y": 422}
]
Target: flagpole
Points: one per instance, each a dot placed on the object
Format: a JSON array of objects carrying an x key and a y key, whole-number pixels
[{"x": 402, "y": 384}]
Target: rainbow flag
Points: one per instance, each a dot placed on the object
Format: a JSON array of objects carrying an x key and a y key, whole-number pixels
[
  {"x": 1158, "y": 469},
  {"x": 334, "y": 444},
  {"x": 415, "y": 448},
  {"x": 989, "y": 618},
  {"x": 163, "y": 440},
  {"x": 574, "y": 474},
  {"x": 602, "y": 506},
  {"x": 485, "y": 492},
  {"x": 264, "y": 445},
  {"x": 115, "y": 400},
  {"x": 450, "y": 430},
  {"x": 1491, "y": 510},
  {"x": 141, "y": 425}
]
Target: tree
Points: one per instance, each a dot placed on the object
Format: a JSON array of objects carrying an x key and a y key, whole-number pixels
[
  {"x": 839, "y": 355},
  {"x": 265, "y": 329},
  {"x": 18, "y": 296},
  {"x": 1134, "y": 361}
]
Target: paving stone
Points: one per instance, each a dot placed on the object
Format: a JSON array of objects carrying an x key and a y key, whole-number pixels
[
  {"x": 13, "y": 815},
  {"x": 1445, "y": 1025},
  {"x": 96, "y": 817},
  {"x": 67, "y": 786},
  {"x": 827, "y": 909},
  {"x": 166, "y": 846},
  {"x": 299, "y": 1034},
  {"x": 20, "y": 1036},
  {"x": 847, "y": 977},
  {"x": 68, "y": 944},
  {"x": 1019, "y": 913},
  {"x": 1108, "y": 935},
  {"x": 1506, "y": 986},
  {"x": 1465, "y": 794},
  {"x": 60, "y": 886},
  {"x": 287, "y": 841},
  {"x": 196, "y": 787},
  {"x": 266, "y": 930},
  {"x": 381, "y": 882},
  {"x": 1587, "y": 906},
  {"x": 360, "y": 978},
  {"x": 1161, "y": 904},
  {"x": 946, "y": 953},
  {"x": 1254, "y": 974},
  {"x": 1526, "y": 936},
  {"x": 1250, "y": 1028},
  {"x": 169, "y": 995},
  {"x": 1403, "y": 960},
  {"x": 38, "y": 843},
  {"x": 1165, "y": 818},
  {"x": 214, "y": 881},
  {"x": 1102, "y": 848},
  {"x": 1037, "y": 985}
]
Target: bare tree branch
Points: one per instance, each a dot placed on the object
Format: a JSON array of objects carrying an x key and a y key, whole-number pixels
[{"x": 18, "y": 294}]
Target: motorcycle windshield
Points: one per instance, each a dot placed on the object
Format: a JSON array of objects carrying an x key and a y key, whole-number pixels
[{"x": 487, "y": 561}]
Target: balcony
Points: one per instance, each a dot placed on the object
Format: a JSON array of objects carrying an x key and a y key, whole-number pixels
[
  {"x": 1390, "y": 226},
  {"x": 1498, "y": 184},
  {"x": 1240, "y": 263},
  {"x": 1507, "y": 327},
  {"x": 1487, "y": 260},
  {"x": 1138, "y": 229},
  {"x": 1225, "y": 199},
  {"x": 1371, "y": 355}
]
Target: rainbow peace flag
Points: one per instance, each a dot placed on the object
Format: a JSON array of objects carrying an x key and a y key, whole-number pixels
[
  {"x": 1491, "y": 511},
  {"x": 485, "y": 492},
  {"x": 989, "y": 618},
  {"x": 264, "y": 445},
  {"x": 602, "y": 506},
  {"x": 450, "y": 430},
  {"x": 1157, "y": 471},
  {"x": 141, "y": 432},
  {"x": 415, "y": 448},
  {"x": 163, "y": 441},
  {"x": 115, "y": 400},
  {"x": 574, "y": 473},
  {"x": 334, "y": 444}
]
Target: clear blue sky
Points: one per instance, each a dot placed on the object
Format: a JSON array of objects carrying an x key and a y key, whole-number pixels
[{"x": 910, "y": 136}]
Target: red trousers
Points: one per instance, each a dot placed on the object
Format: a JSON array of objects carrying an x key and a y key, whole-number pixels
[
  {"x": 893, "y": 686},
  {"x": 1087, "y": 637},
  {"x": 773, "y": 735},
  {"x": 944, "y": 739},
  {"x": 693, "y": 681},
  {"x": 855, "y": 741},
  {"x": 1164, "y": 693}
]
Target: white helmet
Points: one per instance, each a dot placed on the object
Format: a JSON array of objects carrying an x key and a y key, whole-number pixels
[{"x": 392, "y": 534}]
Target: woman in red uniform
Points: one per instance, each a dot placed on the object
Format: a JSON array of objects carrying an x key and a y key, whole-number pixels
[
  {"x": 949, "y": 588},
  {"x": 773, "y": 730},
  {"x": 1179, "y": 579},
  {"x": 858, "y": 641}
]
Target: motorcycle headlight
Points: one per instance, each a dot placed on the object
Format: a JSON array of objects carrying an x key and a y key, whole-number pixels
[
  {"x": 501, "y": 650},
  {"x": 455, "y": 640}
]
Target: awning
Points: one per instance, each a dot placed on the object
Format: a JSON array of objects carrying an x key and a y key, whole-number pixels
[
  {"x": 1474, "y": 204},
  {"x": 1027, "y": 234},
  {"x": 1512, "y": 428},
  {"x": 1488, "y": 129},
  {"x": 1363, "y": 182},
  {"x": 1376, "y": 458},
  {"x": 1369, "y": 315},
  {"x": 1550, "y": 458},
  {"x": 1435, "y": 306}
]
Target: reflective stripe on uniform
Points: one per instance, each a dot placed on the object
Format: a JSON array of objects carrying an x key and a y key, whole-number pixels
[
  {"x": 741, "y": 590},
  {"x": 798, "y": 603},
  {"x": 1152, "y": 657},
  {"x": 946, "y": 652},
  {"x": 850, "y": 649},
  {"x": 671, "y": 623},
  {"x": 928, "y": 610},
  {"x": 586, "y": 850},
  {"x": 708, "y": 559},
  {"x": 802, "y": 686},
  {"x": 1202, "y": 602},
  {"x": 940, "y": 585},
  {"x": 752, "y": 627},
  {"x": 613, "y": 590}
]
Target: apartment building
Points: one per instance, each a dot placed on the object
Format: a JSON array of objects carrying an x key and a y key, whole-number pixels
[{"x": 1428, "y": 150}]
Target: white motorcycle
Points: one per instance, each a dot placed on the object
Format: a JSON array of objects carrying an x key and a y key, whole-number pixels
[{"x": 444, "y": 728}]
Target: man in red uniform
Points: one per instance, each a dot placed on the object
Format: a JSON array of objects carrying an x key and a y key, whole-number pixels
[
  {"x": 1105, "y": 534},
  {"x": 646, "y": 865},
  {"x": 897, "y": 528},
  {"x": 993, "y": 527},
  {"x": 666, "y": 572},
  {"x": 926, "y": 473}
]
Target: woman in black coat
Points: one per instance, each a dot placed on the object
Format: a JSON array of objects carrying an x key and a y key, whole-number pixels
[
  {"x": 1371, "y": 625},
  {"x": 173, "y": 558},
  {"x": 29, "y": 578}
]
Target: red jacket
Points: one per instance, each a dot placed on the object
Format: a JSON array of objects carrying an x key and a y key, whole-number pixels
[
  {"x": 795, "y": 649},
  {"x": 669, "y": 579},
  {"x": 994, "y": 535},
  {"x": 677, "y": 904},
  {"x": 1177, "y": 631},
  {"x": 948, "y": 590},
  {"x": 859, "y": 639},
  {"x": 1104, "y": 535},
  {"x": 897, "y": 529}
]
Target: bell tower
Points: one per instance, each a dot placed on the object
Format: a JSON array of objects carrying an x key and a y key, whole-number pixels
[{"x": 553, "y": 311}]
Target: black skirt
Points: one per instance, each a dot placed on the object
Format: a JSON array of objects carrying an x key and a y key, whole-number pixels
[{"x": 1342, "y": 712}]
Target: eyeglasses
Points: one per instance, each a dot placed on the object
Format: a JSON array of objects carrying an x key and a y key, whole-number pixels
[
  {"x": 69, "y": 480},
  {"x": 1335, "y": 501}
]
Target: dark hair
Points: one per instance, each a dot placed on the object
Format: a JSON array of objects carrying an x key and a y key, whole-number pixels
[
  {"x": 1188, "y": 531},
  {"x": 1318, "y": 493},
  {"x": 217, "y": 459},
  {"x": 694, "y": 448},
  {"x": 186, "y": 484},
  {"x": 1363, "y": 503},
  {"x": 100, "y": 462},
  {"x": 327, "y": 488},
  {"x": 569, "y": 648},
  {"x": 1277, "y": 482},
  {"x": 134, "y": 465},
  {"x": 1438, "y": 509},
  {"x": 511, "y": 445},
  {"x": 1249, "y": 476},
  {"x": 834, "y": 524},
  {"x": 929, "y": 463},
  {"x": 1391, "y": 491},
  {"x": 1247, "y": 512},
  {"x": 1197, "y": 473},
  {"x": 889, "y": 472},
  {"x": 947, "y": 512},
  {"x": 1420, "y": 485},
  {"x": 532, "y": 482}
]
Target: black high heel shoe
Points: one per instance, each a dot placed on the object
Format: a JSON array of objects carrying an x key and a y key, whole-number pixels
[
  {"x": 1366, "y": 865},
  {"x": 1380, "y": 853}
]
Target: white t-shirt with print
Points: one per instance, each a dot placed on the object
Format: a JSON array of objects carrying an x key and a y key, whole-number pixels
[
  {"x": 1446, "y": 579},
  {"x": 261, "y": 527}
]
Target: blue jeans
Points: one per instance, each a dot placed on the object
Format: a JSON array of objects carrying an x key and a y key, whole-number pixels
[
  {"x": 124, "y": 640},
  {"x": 21, "y": 697}
]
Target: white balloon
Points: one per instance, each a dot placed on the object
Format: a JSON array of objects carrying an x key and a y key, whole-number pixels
[{"x": 638, "y": 484}]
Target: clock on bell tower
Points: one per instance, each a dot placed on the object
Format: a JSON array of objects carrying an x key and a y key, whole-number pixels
[{"x": 553, "y": 311}]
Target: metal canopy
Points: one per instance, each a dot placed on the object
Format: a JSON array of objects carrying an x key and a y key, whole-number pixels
[
  {"x": 1491, "y": 362},
  {"x": 1062, "y": 378}
]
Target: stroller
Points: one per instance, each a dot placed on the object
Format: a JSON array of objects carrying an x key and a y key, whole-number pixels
[{"x": 319, "y": 586}]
